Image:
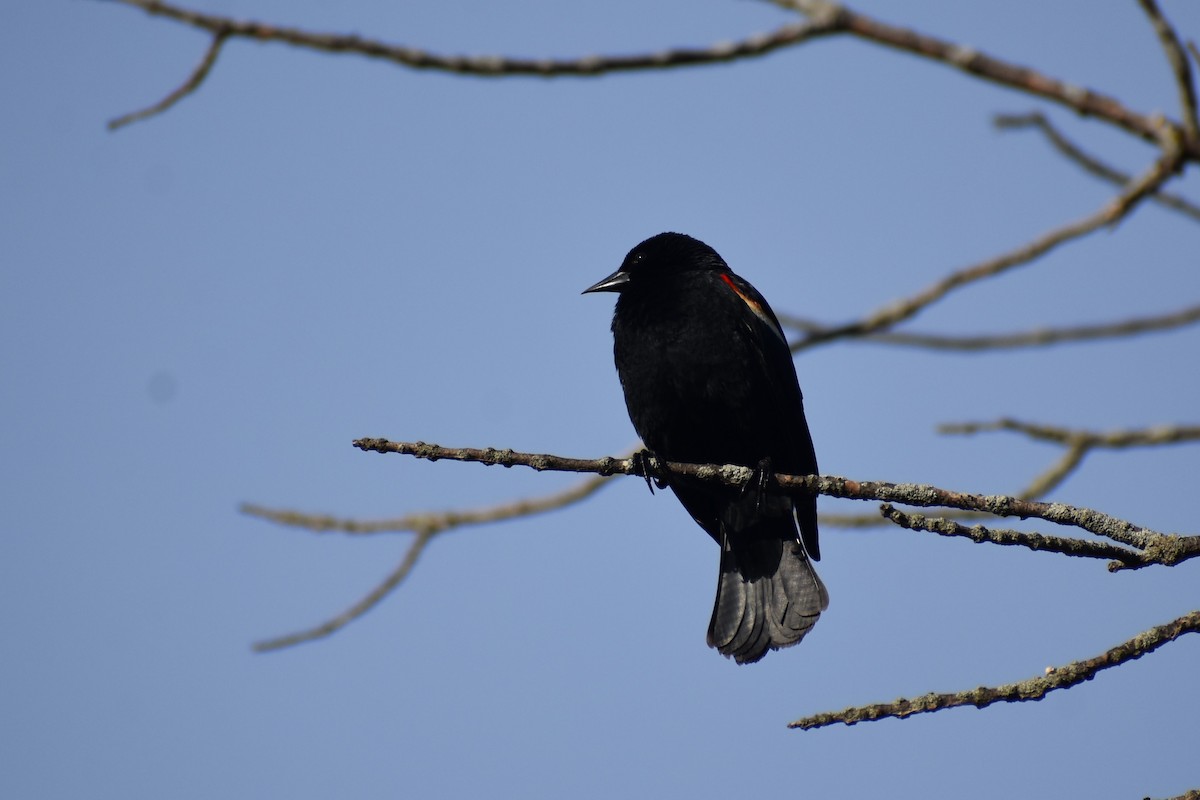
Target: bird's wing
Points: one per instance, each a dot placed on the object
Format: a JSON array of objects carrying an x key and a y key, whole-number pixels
[{"x": 797, "y": 454}]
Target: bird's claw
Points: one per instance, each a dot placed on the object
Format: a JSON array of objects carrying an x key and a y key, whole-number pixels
[
  {"x": 646, "y": 464},
  {"x": 759, "y": 481}
]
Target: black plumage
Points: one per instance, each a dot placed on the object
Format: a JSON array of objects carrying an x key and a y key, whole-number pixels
[{"x": 709, "y": 379}]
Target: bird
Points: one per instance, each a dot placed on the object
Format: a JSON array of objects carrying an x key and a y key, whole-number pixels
[{"x": 708, "y": 378}]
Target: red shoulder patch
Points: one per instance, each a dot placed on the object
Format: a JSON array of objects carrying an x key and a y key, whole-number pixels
[
  {"x": 747, "y": 299},
  {"x": 755, "y": 307}
]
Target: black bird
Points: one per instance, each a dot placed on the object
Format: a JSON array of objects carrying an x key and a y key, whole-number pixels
[{"x": 709, "y": 379}]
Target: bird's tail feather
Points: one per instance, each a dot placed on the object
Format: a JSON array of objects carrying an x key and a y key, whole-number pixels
[{"x": 768, "y": 597}]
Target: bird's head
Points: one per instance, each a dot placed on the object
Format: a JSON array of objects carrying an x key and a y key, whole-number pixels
[{"x": 659, "y": 258}]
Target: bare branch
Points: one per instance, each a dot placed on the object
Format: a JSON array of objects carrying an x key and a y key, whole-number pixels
[
  {"x": 1055, "y": 474},
  {"x": 1034, "y": 688},
  {"x": 1111, "y": 213},
  {"x": 187, "y": 87},
  {"x": 1090, "y": 163},
  {"x": 433, "y": 522},
  {"x": 488, "y": 65},
  {"x": 732, "y": 475},
  {"x": 849, "y": 520},
  {"x": 425, "y": 525},
  {"x": 1145, "y": 437},
  {"x": 1083, "y": 101},
  {"x": 1038, "y": 337},
  {"x": 477, "y": 65},
  {"x": 1178, "y": 61},
  {"x": 373, "y": 598},
  {"x": 1061, "y": 143},
  {"x": 824, "y": 19}
]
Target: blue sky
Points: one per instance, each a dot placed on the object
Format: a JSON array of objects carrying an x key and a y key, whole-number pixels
[{"x": 205, "y": 308}]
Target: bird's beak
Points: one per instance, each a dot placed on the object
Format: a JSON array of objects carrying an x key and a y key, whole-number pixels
[{"x": 613, "y": 283}]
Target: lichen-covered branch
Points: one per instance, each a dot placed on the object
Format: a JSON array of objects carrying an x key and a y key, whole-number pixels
[
  {"x": 1041, "y": 485},
  {"x": 1077, "y": 444},
  {"x": 1151, "y": 547},
  {"x": 732, "y": 475},
  {"x": 1164, "y": 549},
  {"x": 1034, "y": 688},
  {"x": 1191, "y": 794}
]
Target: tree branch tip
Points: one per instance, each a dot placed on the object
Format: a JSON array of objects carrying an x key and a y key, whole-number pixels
[
  {"x": 1009, "y": 121},
  {"x": 1032, "y": 689}
]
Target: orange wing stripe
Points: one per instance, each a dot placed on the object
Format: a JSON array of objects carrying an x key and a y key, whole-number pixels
[{"x": 755, "y": 307}]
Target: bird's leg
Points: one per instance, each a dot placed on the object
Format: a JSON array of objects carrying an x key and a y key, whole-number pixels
[{"x": 646, "y": 464}]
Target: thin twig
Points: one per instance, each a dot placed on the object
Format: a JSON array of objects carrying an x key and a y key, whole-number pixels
[
  {"x": 1038, "y": 337},
  {"x": 1088, "y": 162},
  {"x": 1034, "y": 688},
  {"x": 1111, "y": 213},
  {"x": 1177, "y": 59},
  {"x": 737, "y": 476},
  {"x": 1061, "y": 143},
  {"x": 1142, "y": 437},
  {"x": 849, "y": 520},
  {"x": 187, "y": 87},
  {"x": 435, "y": 522},
  {"x": 372, "y": 599},
  {"x": 1056, "y": 473},
  {"x": 427, "y": 526}
]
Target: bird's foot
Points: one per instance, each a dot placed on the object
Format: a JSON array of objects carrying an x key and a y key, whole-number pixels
[
  {"x": 646, "y": 464},
  {"x": 759, "y": 481}
]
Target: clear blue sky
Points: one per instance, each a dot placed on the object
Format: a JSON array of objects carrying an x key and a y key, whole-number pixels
[{"x": 207, "y": 307}]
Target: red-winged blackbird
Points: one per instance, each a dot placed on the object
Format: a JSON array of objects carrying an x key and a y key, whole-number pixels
[{"x": 709, "y": 379}]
